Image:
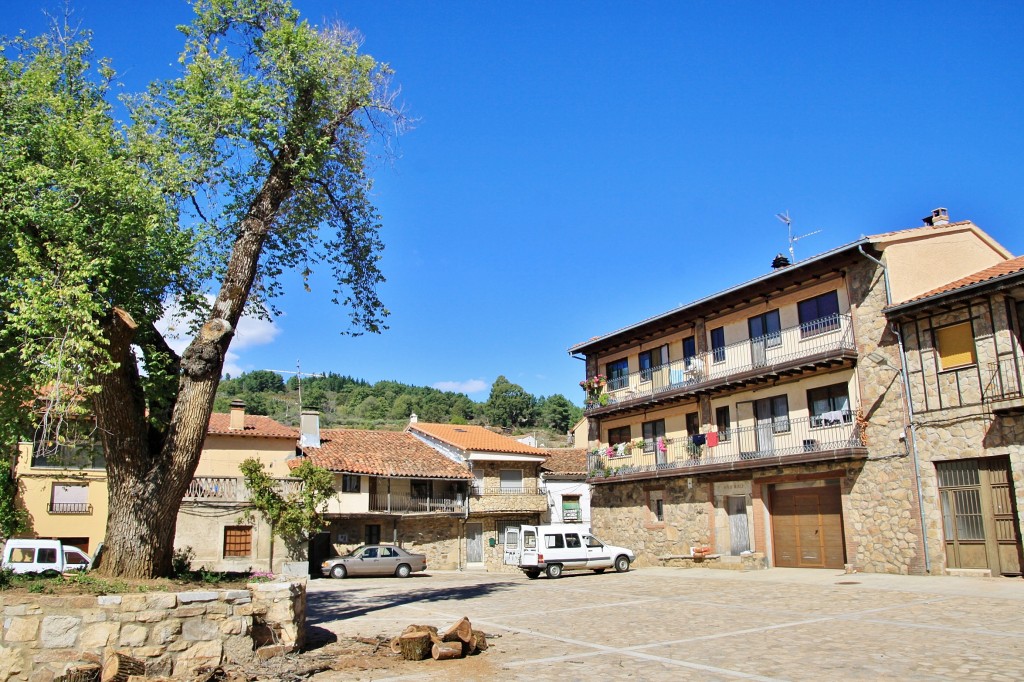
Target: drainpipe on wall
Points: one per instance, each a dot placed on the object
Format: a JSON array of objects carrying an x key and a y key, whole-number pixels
[{"x": 910, "y": 413}]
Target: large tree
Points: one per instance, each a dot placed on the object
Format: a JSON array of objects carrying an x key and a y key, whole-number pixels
[
  {"x": 510, "y": 405},
  {"x": 249, "y": 164}
]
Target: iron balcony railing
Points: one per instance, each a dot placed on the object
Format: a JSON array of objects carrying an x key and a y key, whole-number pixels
[
  {"x": 406, "y": 504},
  {"x": 719, "y": 365},
  {"x": 779, "y": 437},
  {"x": 232, "y": 489},
  {"x": 69, "y": 508},
  {"x": 1003, "y": 380}
]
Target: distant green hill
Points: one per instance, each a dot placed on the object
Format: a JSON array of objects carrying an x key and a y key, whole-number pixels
[{"x": 347, "y": 402}]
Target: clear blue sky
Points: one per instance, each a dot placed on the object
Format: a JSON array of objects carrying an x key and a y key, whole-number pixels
[{"x": 578, "y": 166}]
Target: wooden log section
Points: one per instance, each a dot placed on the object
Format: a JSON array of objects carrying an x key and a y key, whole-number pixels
[
  {"x": 446, "y": 650},
  {"x": 415, "y": 646},
  {"x": 479, "y": 641},
  {"x": 83, "y": 673},
  {"x": 119, "y": 667},
  {"x": 460, "y": 631}
]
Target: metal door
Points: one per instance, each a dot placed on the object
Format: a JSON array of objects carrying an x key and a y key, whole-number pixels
[
  {"x": 474, "y": 543},
  {"x": 763, "y": 413},
  {"x": 739, "y": 533}
]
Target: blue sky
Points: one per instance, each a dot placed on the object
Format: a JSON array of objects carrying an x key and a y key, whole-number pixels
[{"x": 578, "y": 166}]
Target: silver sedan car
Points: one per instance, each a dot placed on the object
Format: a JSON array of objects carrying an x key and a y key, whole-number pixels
[{"x": 375, "y": 560}]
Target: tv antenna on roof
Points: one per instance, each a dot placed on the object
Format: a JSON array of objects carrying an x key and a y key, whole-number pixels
[
  {"x": 299, "y": 374},
  {"x": 784, "y": 217}
]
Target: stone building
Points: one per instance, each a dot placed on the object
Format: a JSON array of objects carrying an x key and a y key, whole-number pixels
[
  {"x": 964, "y": 365},
  {"x": 505, "y": 490},
  {"x": 392, "y": 488},
  {"x": 767, "y": 424},
  {"x": 564, "y": 478}
]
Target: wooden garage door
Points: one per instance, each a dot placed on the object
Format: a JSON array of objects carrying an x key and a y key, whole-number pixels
[{"x": 807, "y": 527}]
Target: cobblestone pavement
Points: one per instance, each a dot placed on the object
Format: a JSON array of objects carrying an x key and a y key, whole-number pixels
[{"x": 670, "y": 624}]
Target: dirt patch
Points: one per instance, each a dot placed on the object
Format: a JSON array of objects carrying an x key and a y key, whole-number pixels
[{"x": 92, "y": 583}]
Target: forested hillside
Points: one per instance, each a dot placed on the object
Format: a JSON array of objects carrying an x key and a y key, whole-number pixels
[{"x": 345, "y": 401}]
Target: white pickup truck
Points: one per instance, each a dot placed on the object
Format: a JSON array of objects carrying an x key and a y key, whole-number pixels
[{"x": 561, "y": 547}]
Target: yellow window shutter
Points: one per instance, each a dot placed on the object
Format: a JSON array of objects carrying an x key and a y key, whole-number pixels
[{"x": 956, "y": 345}]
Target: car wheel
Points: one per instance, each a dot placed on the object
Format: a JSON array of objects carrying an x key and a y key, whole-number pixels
[
  {"x": 403, "y": 571},
  {"x": 598, "y": 570},
  {"x": 554, "y": 570},
  {"x": 338, "y": 571},
  {"x": 622, "y": 563},
  {"x": 533, "y": 574}
]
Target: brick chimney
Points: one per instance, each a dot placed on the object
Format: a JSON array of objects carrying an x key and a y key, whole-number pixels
[
  {"x": 938, "y": 218},
  {"x": 309, "y": 425},
  {"x": 237, "y": 422}
]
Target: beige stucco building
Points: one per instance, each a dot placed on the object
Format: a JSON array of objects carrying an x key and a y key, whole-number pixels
[{"x": 767, "y": 424}]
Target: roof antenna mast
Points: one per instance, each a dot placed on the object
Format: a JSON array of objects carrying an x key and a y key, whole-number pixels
[
  {"x": 784, "y": 217},
  {"x": 298, "y": 374}
]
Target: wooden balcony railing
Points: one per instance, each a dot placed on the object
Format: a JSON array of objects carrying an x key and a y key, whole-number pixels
[
  {"x": 824, "y": 337},
  {"x": 406, "y": 504},
  {"x": 805, "y": 439}
]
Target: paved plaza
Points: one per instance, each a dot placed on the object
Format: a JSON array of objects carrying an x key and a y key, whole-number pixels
[{"x": 671, "y": 624}]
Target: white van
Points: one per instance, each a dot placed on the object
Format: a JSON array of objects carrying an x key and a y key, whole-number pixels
[
  {"x": 561, "y": 547},
  {"x": 32, "y": 555}
]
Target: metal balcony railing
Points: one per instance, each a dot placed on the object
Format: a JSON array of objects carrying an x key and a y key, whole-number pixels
[
  {"x": 779, "y": 437},
  {"x": 1002, "y": 380},
  {"x": 69, "y": 508},
  {"x": 406, "y": 504},
  {"x": 232, "y": 489},
  {"x": 830, "y": 334}
]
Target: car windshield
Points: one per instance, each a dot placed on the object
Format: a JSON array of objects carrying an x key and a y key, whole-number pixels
[{"x": 358, "y": 551}]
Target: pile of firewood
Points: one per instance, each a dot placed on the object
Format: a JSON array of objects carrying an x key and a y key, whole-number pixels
[
  {"x": 418, "y": 642},
  {"x": 117, "y": 667}
]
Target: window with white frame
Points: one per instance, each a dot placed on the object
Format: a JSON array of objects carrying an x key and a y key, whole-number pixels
[
  {"x": 511, "y": 480},
  {"x": 69, "y": 498}
]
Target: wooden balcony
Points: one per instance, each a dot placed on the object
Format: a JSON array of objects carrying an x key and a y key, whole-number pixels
[
  {"x": 385, "y": 503},
  {"x": 821, "y": 343},
  {"x": 831, "y": 437}
]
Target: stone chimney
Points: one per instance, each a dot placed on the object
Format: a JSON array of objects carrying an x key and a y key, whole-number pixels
[
  {"x": 237, "y": 422},
  {"x": 413, "y": 418},
  {"x": 780, "y": 262},
  {"x": 938, "y": 218},
  {"x": 309, "y": 425}
]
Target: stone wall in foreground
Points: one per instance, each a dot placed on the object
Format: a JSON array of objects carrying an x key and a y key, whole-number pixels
[{"x": 173, "y": 633}]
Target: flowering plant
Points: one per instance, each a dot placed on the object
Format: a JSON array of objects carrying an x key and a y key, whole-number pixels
[
  {"x": 261, "y": 577},
  {"x": 594, "y": 383},
  {"x": 662, "y": 447}
]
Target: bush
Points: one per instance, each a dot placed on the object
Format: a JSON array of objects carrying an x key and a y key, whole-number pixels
[{"x": 181, "y": 561}]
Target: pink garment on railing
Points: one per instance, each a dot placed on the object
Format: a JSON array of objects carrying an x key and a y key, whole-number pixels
[{"x": 712, "y": 439}]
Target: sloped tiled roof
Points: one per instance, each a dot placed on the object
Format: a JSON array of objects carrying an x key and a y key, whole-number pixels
[
  {"x": 566, "y": 461},
  {"x": 1008, "y": 267},
  {"x": 476, "y": 438},
  {"x": 380, "y": 453},
  {"x": 255, "y": 425}
]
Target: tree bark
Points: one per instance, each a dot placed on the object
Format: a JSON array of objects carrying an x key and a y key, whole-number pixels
[
  {"x": 415, "y": 646},
  {"x": 119, "y": 667},
  {"x": 147, "y": 477},
  {"x": 446, "y": 650}
]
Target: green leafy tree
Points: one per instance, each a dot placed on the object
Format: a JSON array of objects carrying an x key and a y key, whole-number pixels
[
  {"x": 249, "y": 164},
  {"x": 509, "y": 405},
  {"x": 557, "y": 412},
  {"x": 296, "y": 515},
  {"x": 262, "y": 380}
]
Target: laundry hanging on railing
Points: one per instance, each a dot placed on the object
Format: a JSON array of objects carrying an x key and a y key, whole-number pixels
[
  {"x": 712, "y": 438},
  {"x": 698, "y": 438}
]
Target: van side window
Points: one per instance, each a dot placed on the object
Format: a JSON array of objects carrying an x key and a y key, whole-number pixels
[
  {"x": 572, "y": 540},
  {"x": 47, "y": 555},
  {"x": 529, "y": 540},
  {"x": 22, "y": 555},
  {"x": 553, "y": 541},
  {"x": 592, "y": 541}
]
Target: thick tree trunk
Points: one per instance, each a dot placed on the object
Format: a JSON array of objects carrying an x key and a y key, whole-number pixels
[{"x": 148, "y": 473}]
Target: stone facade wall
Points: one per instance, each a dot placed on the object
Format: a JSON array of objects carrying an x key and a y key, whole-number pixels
[
  {"x": 436, "y": 536},
  {"x": 482, "y": 504},
  {"x": 174, "y": 633}
]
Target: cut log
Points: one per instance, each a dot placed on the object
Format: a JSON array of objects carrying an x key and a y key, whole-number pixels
[
  {"x": 446, "y": 650},
  {"x": 415, "y": 646},
  {"x": 83, "y": 673},
  {"x": 460, "y": 631},
  {"x": 396, "y": 647},
  {"x": 119, "y": 667},
  {"x": 479, "y": 641}
]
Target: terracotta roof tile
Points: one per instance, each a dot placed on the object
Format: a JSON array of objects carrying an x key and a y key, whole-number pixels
[
  {"x": 1007, "y": 267},
  {"x": 255, "y": 425},
  {"x": 477, "y": 438},
  {"x": 381, "y": 453},
  {"x": 566, "y": 461}
]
